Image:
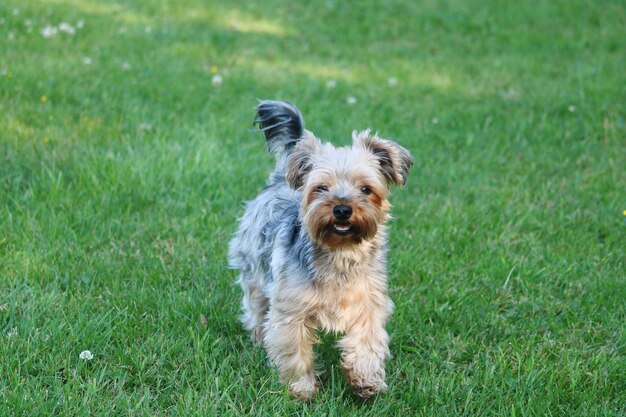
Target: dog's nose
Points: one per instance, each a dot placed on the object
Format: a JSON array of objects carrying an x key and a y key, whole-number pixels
[{"x": 342, "y": 212}]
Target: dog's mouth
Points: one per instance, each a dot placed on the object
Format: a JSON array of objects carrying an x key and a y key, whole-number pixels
[{"x": 342, "y": 228}]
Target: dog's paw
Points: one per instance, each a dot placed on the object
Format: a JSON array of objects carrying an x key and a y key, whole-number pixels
[
  {"x": 367, "y": 390},
  {"x": 366, "y": 384},
  {"x": 304, "y": 388}
]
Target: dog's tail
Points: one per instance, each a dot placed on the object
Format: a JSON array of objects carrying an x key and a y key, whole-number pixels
[{"x": 282, "y": 124}]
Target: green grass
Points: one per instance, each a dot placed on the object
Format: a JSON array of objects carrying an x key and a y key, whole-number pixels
[{"x": 121, "y": 183}]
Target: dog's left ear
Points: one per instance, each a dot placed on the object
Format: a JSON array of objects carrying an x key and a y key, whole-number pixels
[
  {"x": 394, "y": 160},
  {"x": 300, "y": 162}
]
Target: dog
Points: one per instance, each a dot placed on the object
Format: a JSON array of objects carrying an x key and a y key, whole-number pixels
[{"x": 311, "y": 251}]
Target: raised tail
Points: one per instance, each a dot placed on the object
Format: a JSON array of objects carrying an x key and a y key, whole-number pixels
[{"x": 282, "y": 124}]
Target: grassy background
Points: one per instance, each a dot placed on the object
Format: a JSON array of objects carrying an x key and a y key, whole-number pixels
[{"x": 123, "y": 170}]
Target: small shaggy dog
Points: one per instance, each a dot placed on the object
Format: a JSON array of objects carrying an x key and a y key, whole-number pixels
[{"x": 311, "y": 251}]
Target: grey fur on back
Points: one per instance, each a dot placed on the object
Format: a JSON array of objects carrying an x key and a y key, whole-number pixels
[
  {"x": 271, "y": 226},
  {"x": 282, "y": 124},
  {"x": 271, "y": 229}
]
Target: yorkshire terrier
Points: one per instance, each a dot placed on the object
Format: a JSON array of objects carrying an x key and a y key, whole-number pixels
[{"x": 311, "y": 251}]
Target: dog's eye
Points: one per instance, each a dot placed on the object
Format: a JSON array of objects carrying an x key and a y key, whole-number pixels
[
  {"x": 366, "y": 190},
  {"x": 321, "y": 188}
]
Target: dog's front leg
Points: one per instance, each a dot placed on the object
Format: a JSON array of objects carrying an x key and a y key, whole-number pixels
[
  {"x": 289, "y": 339},
  {"x": 365, "y": 347}
]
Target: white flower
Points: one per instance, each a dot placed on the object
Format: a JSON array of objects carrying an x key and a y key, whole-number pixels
[
  {"x": 28, "y": 22},
  {"x": 16, "y": 11},
  {"x": 4, "y": 71},
  {"x": 144, "y": 126},
  {"x": 125, "y": 66},
  {"x": 11, "y": 36},
  {"x": 87, "y": 60},
  {"x": 2, "y": 20},
  {"x": 435, "y": 120},
  {"x": 49, "y": 31},
  {"x": 80, "y": 24},
  {"x": 148, "y": 29},
  {"x": 217, "y": 80},
  {"x": 123, "y": 29},
  {"x": 351, "y": 100},
  {"x": 67, "y": 28},
  {"x": 331, "y": 84},
  {"x": 392, "y": 82},
  {"x": 86, "y": 355},
  {"x": 571, "y": 108},
  {"x": 511, "y": 94}
]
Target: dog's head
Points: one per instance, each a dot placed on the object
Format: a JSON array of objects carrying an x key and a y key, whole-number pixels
[{"x": 345, "y": 189}]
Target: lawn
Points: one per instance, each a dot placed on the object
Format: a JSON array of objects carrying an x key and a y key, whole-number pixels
[{"x": 126, "y": 155}]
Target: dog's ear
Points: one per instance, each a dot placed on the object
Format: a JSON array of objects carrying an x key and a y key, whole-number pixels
[
  {"x": 393, "y": 159},
  {"x": 300, "y": 161}
]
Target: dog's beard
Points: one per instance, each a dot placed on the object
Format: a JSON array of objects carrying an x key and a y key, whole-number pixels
[{"x": 325, "y": 229}]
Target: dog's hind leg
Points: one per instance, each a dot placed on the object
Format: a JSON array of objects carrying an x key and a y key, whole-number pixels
[{"x": 254, "y": 305}]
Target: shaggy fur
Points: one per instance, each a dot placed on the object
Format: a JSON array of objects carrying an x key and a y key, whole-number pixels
[{"x": 311, "y": 251}]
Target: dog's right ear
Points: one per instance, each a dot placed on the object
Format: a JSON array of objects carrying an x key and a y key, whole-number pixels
[
  {"x": 300, "y": 162},
  {"x": 393, "y": 159}
]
